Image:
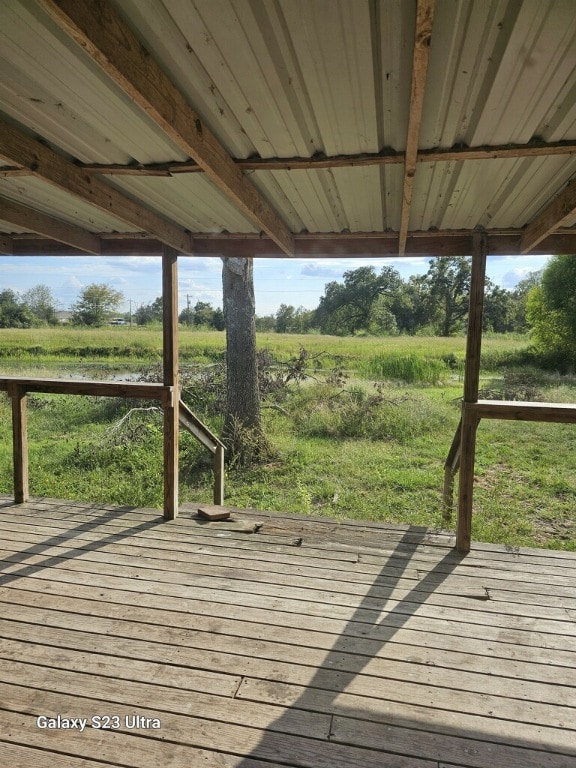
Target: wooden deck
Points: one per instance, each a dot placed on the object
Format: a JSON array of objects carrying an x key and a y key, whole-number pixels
[{"x": 278, "y": 641}]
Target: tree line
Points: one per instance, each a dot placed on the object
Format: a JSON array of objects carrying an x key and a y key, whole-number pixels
[
  {"x": 365, "y": 301},
  {"x": 382, "y": 303}
]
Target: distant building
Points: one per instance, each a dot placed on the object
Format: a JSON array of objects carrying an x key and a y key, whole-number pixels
[{"x": 63, "y": 316}]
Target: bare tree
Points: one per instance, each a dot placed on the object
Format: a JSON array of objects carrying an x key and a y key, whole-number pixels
[{"x": 242, "y": 431}]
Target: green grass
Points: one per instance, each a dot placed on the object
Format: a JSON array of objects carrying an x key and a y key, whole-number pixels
[
  {"x": 48, "y": 346},
  {"x": 354, "y": 452}
]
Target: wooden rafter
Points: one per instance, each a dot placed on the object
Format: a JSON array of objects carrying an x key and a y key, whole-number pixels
[
  {"x": 424, "y": 19},
  {"x": 17, "y": 147},
  {"x": 27, "y": 218},
  {"x": 319, "y": 162},
  {"x": 102, "y": 33},
  {"x": 6, "y": 245},
  {"x": 559, "y": 213},
  {"x": 313, "y": 245}
]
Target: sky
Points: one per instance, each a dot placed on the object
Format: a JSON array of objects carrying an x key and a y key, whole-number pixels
[{"x": 299, "y": 282}]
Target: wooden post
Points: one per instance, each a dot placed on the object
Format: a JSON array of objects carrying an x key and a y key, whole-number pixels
[
  {"x": 219, "y": 475},
  {"x": 170, "y": 378},
  {"x": 19, "y": 442},
  {"x": 471, "y": 387}
]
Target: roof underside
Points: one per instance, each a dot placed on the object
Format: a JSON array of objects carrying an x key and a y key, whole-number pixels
[{"x": 287, "y": 127}]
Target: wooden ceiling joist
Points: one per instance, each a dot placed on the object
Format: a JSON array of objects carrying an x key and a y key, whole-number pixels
[
  {"x": 19, "y": 148},
  {"x": 309, "y": 245},
  {"x": 29, "y": 219},
  {"x": 106, "y": 38},
  {"x": 424, "y": 19},
  {"x": 559, "y": 213},
  {"x": 319, "y": 162},
  {"x": 6, "y": 245}
]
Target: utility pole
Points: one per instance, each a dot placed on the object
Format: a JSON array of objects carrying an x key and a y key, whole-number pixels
[
  {"x": 188, "y": 318},
  {"x": 130, "y": 302}
]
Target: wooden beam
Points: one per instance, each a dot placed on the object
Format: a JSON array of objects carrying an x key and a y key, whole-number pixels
[
  {"x": 104, "y": 36},
  {"x": 318, "y": 245},
  {"x": 471, "y": 385},
  {"x": 43, "y": 224},
  {"x": 424, "y": 19},
  {"x": 560, "y": 212},
  {"x": 19, "y": 443},
  {"x": 6, "y": 245},
  {"x": 170, "y": 378},
  {"x": 126, "y": 389},
  {"x": 387, "y": 156},
  {"x": 48, "y": 165},
  {"x": 513, "y": 410}
]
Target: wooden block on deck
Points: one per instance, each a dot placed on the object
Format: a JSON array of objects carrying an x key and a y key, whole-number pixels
[{"x": 214, "y": 512}]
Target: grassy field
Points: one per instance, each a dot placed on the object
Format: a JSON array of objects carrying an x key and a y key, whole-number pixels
[{"x": 348, "y": 450}]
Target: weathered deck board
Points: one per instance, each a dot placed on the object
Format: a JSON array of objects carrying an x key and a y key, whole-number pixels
[{"x": 305, "y": 643}]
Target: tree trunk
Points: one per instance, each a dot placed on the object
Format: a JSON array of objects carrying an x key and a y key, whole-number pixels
[{"x": 242, "y": 430}]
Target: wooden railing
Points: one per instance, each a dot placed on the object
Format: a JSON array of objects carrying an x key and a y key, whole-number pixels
[
  {"x": 451, "y": 467},
  {"x": 18, "y": 387},
  {"x": 558, "y": 413},
  {"x": 192, "y": 423}
]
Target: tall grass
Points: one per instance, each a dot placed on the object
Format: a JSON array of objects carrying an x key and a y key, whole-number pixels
[
  {"x": 411, "y": 368},
  {"x": 137, "y": 343}
]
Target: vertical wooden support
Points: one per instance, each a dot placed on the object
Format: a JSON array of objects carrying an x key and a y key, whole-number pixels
[
  {"x": 471, "y": 387},
  {"x": 19, "y": 443},
  {"x": 170, "y": 377},
  {"x": 219, "y": 475}
]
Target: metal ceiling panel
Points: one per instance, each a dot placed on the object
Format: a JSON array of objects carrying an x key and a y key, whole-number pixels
[
  {"x": 491, "y": 193},
  {"x": 44, "y": 197},
  {"x": 51, "y": 86},
  {"x": 501, "y": 71},
  {"x": 285, "y": 78},
  {"x": 333, "y": 200},
  {"x": 190, "y": 200}
]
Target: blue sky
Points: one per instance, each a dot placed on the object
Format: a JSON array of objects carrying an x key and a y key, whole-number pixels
[{"x": 299, "y": 282}]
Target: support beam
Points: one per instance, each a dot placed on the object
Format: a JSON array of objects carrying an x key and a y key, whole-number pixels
[
  {"x": 387, "y": 156},
  {"x": 170, "y": 377},
  {"x": 319, "y": 245},
  {"x": 105, "y": 37},
  {"x": 471, "y": 386},
  {"x": 424, "y": 19},
  {"x": 19, "y": 443},
  {"x": 561, "y": 212},
  {"x": 16, "y": 146},
  {"x": 6, "y": 245},
  {"x": 36, "y": 221}
]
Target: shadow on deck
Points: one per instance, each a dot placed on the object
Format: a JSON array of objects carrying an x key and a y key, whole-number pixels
[{"x": 275, "y": 640}]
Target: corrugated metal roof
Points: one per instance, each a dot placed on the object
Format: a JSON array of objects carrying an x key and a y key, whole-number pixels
[
  {"x": 285, "y": 78},
  {"x": 47, "y": 198}
]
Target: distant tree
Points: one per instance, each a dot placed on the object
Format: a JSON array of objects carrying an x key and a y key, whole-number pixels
[
  {"x": 41, "y": 302},
  {"x": 520, "y": 295},
  {"x": 348, "y": 307},
  {"x": 149, "y": 313},
  {"x": 551, "y": 307},
  {"x": 499, "y": 309},
  {"x": 203, "y": 313},
  {"x": 408, "y": 305},
  {"x": 285, "y": 319},
  {"x": 13, "y": 312},
  {"x": 265, "y": 323},
  {"x": 447, "y": 293},
  {"x": 218, "y": 321},
  {"x": 186, "y": 317},
  {"x": 95, "y": 304},
  {"x": 382, "y": 320}
]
